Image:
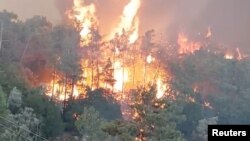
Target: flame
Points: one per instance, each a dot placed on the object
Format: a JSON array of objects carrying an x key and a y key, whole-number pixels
[
  {"x": 191, "y": 99},
  {"x": 129, "y": 21},
  {"x": 207, "y": 105},
  {"x": 161, "y": 89},
  {"x": 149, "y": 59},
  {"x": 76, "y": 92},
  {"x": 236, "y": 54},
  {"x": 129, "y": 69},
  {"x": 84, "y": 19},
  {"x": 120, "y": 75},
  {"x": 239, "y": 54},
  {"x": 186, "y": 46},
  {"x": 56, "y": 89},
  {"x": 229, "y": 55},
  {"x": 209, "y": 32}
]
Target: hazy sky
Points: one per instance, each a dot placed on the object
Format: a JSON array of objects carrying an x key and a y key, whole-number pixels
[{"x": 28, "y": 8}]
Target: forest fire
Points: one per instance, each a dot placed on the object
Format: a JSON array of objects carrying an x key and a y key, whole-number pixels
[
  {"x": 83, "y": 17},
  {"x": 186, "y": 46},
  {"x": 128, "y": 70},
  {"x": 117, "y": 63},
  {"x": 129, "y": 21},
  {"x": 120, "y": 66}
]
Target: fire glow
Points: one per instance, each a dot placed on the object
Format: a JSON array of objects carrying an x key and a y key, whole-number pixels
[
  {"x": 121, "y": 64},
  {"x": 127, "y": 66},
  {"x": 129, "y": 21},
  {"x": 186, "y": 46},
  {"x": 84, "y": 18}
]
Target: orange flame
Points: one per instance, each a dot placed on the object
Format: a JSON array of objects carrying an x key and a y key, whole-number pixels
[
  {"x": 161, "y": 89},
  {"x": 186, "y": 46},
  {"x": 120, "y": 75},
  {"x": 83, "y": 17},
  {"x": 229, "y": 56},
  {"x": 128, "y": 69},
  {"x": 129, "y": 21}
]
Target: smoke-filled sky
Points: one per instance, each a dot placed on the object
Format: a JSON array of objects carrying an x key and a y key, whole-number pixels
[
  {"x": 28, "y": 8},
  {"x": 228, "y": 19}
]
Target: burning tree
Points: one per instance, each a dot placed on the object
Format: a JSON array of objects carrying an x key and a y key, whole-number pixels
[{"x": 82, "y": 58}]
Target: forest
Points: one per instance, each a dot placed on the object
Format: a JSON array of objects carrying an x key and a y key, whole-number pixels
[{"x": 59, "y": 85}]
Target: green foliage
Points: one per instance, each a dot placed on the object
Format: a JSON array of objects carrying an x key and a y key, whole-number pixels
[
  {"x": 15, "y": 100},
  {"x": 31, "y": 50},
  {"x": 231, "y": 102},
  {"x": 67, "y": 43},
  {"x": 122, "y": 129},
  {"x": 3, "y": 103},
  {"x": 106, "y": 106},
  {"x": 165, "y": 123},
  {"x": 21, "y": 126},
  {"x": 223, "y": 83},
  {"x": 10, "y": 77},
  {"x": 52, "y": 124},
  {"x": 200, "y": 133},
  {"x": 90, "y": 125},
  {"x": 193, "y": 112},
  {"x": 156, "y": 119}
]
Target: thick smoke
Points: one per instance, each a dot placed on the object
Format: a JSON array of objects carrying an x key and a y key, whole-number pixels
[{"x": 228, "y": 19}]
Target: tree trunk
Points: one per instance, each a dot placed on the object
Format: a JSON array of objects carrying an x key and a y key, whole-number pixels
[
  {"x": 65, "y": 91},
  {"x": 72, "y": 87},
  {"x": 145, "y": 73},
  {"x": 113, "y": 69},
  {"x": 92, "y": 74},
  {"x": 53, "y": 85},
  {"x": 134, "y": 69},
  {"x": 123, "y": 73},
  {"x": 98, "y": 74},
  {"x": 26, "y": 48}
]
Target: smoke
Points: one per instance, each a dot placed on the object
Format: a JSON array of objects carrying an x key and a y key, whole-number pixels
[
  {"x": 26, "y": 9},
  {"x": 62, "y": 6},
  {"x": 229, "y": 19}
]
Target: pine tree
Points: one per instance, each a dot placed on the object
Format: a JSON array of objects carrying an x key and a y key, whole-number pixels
[{"x": 15, "y": 100}]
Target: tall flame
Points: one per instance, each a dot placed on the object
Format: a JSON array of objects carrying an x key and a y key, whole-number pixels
[
  {"x": 129, "y": 21},
  {"x": 124, "y": 71},
  {"x": 84, "y": 18},
  {"x": 120, "y": 75}
]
